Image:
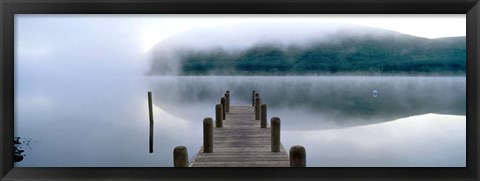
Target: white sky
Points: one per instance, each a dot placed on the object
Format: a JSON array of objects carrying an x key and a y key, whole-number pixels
[
  {"x": 51, "y": 43},
  {"x": 155, "y": 28}
]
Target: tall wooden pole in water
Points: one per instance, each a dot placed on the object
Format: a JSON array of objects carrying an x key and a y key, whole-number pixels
[{"x": 150, "y": 113}]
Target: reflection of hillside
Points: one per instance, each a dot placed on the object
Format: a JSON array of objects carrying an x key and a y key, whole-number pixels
[
  {"x": 428, "y": 140},
  {"x": 317, "y": 102}
]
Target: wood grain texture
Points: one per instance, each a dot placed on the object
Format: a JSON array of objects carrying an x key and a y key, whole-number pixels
[{"x": 241, "y": 142}]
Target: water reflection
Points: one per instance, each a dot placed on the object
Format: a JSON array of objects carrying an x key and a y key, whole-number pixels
[
  {"x": 96, "y": 122},
  {"x": 317, "y": 102},
  {"x": 103, "y": 121},
  {"x": 430, "y": 140}
]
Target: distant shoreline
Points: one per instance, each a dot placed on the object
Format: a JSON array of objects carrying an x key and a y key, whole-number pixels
[{"x": 322, "y": 75}]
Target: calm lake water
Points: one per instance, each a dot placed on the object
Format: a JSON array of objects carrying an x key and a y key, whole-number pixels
[{"x": 341, "y": 120}]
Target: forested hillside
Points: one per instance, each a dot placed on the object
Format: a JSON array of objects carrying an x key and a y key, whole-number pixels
[{"x": 393, "y": 53}]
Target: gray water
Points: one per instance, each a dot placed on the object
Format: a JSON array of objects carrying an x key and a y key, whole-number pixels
[
  {"x": 318, "y": 102},
  {"x": 87, "y": 121}
]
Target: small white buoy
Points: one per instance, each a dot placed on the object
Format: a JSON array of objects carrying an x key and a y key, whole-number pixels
[{"x": 375, "y": 93}]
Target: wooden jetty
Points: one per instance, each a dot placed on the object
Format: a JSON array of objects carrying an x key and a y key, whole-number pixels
[
  {"x": 241, "y": 137},
  {"x": 241, "y": 142}
]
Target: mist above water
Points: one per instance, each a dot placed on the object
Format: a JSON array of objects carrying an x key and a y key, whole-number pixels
[
  {"x": 167, "y": 56},
  {"x": 320, "y": 102}
]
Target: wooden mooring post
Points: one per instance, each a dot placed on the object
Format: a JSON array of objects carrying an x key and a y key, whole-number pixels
[
  {"x": 275, "y": 124},
  {"x": 180, "y": 156},
  {"x": 253, "y": 98},
  {"x": 257, "y": 108},
  {"x": 223, "y": 101},
  {"x": 219, "y": 115},
  {"x": 298, "y": 156},
  {"x": 263, "y": 120},
  {"x": 227, "y": 97},
  {"x": 207, "y": 135}
]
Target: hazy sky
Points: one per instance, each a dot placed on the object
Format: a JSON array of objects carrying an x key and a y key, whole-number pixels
[
  {"x": 74, "y": 44},
  {"x": 428, "y": 26},
  {"x": 151, "y": 29}
]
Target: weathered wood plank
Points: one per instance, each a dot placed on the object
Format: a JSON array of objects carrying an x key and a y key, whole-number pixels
[
  {"x": 252, "y": 141},
  {"x": 241, "y": 137},
  {"x": 230, "y": 151},
  {"x": 241, "y": 149},
  {"x": 239, "y": 159},
  {"x": 240, "y": 156},
  {"x": 242, "y": 164}
]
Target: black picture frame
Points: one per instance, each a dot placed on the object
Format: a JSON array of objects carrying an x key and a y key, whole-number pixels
[{"x": 8, "y": 8}]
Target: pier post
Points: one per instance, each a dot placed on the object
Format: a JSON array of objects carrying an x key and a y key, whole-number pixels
[
  {"x": 257, "y": 108},
  {"x": 253, "y": 98},
  {"x": 150, "y": 115},
  {"x": 223, "y": 101},
  {"x": 298, "y": 156},
  {"x": 275, "y": 131},
  {"x": 207, "y": 135},
  {"x": 219, "y": 115},
  {"x": 227, "y": 97},
  {"x": 256, "y": 95},
  {"x": 180, "y": 156},
  {"x": 263, "y": 120}
]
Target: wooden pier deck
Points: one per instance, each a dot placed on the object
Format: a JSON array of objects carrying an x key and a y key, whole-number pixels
[
  {"x": 241, "y": 142},
  {"x": 241, "y": 137}
]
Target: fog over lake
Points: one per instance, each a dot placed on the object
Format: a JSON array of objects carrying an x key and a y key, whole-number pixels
[
  {"x": 81, "y": 98},
  {"x": 317, "y": 102}
]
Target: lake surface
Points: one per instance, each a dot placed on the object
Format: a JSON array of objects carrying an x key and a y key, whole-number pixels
[
  {"x": 320, "y": 102},
  {"x": 96, "y": 121}
]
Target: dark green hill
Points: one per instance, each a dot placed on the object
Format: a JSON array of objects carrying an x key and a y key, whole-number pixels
[{"x": 390, "y": 53}]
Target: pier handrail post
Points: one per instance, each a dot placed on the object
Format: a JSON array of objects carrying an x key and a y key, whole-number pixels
[
  {"x": 256, "y": 95},
  {"x": 227, "y": 100},
  {"x": 150, "y": 115},
  {"x": 298, "y": 156},
  {"x": 207, "y": 135},
  {"x": 223, "y": 101},
  {"x": 219, "y": 115},
  {"x": 263, "y": 120},
  {"x": 180, "y": 156},
  {"x": 275, "y": 131},
  {"x": 257, "y": 108},
  {"x": 253, "y": 98}
]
